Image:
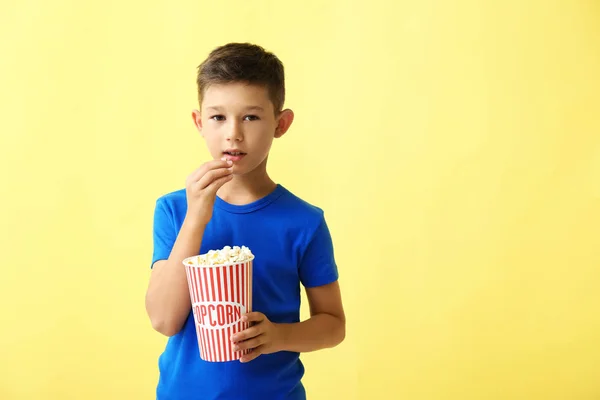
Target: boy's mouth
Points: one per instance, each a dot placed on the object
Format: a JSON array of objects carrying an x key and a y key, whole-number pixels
[{"x": 233, "y": 154}]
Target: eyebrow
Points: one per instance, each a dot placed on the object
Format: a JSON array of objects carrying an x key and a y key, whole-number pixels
[{"x": 249, "y": 108}]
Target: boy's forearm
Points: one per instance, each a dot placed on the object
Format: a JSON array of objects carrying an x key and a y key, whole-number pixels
[
  {"x": 167, "y": 299},
  {"x": 318, "y": 332}
]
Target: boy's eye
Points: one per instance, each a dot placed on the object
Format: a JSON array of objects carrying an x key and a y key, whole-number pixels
[
  {"x": 218, "y": 117},
  {"x": 251, "y": 117}
]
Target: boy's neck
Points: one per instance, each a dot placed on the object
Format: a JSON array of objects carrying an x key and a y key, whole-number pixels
[{"x": 247, "y": 188}]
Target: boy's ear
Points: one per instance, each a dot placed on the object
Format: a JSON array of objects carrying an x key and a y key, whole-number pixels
[
  {"x": 286, "y": 117},
  {"x": 197, "y": 120}
]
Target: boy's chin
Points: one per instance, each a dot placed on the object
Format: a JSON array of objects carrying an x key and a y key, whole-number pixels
[{"x": 238, "y": 170}]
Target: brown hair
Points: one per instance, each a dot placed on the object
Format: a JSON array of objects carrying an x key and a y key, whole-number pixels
[{"x": 243, "y": 62}]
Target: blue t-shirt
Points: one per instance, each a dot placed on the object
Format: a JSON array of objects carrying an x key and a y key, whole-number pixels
[{"x": 292, "y": 245}]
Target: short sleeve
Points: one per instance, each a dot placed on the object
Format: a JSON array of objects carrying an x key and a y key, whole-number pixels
[
  {"x": 164, "y": 234},
  {"x": 318, "y": 266}
]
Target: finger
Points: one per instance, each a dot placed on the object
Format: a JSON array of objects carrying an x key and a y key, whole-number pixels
[
  {"x": 198, "y": 172},
  {"x": 254, "y": 353},
  {"x": 250, "y": 344},
  {"x": 208, "y": 166},
  {"x": 215, "y": 185},
  {"x": 253, "y": 317},
  {"x": 247, "y": 334},
  {"x": 213, "y": 175}
]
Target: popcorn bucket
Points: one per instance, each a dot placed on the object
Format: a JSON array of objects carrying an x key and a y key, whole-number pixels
[{"x": 221, "y": 295}]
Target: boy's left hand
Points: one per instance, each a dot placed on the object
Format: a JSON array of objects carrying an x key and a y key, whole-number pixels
[{"x": 264, "y": 337}]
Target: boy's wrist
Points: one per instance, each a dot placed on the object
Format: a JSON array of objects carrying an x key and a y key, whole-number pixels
[
  {"x": 193, "y": 222},
  {"x": 283, "y": 335}
]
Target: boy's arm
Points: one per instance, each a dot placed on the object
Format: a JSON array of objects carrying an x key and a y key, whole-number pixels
[
  {"x": 327, "y": 325},
  {"x": 167, "y": 298},
  {"x": 168, "y": 301},
  {"x": 325, "y": 328}
]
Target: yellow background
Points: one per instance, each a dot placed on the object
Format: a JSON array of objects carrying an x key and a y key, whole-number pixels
[{"x": 455, "y": 146}]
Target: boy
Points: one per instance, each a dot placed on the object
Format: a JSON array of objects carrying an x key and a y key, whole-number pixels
[{"x": 232, "y": 201}]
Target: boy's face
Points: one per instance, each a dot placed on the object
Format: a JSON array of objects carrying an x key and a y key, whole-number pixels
[{"x": 238, "y": 122}]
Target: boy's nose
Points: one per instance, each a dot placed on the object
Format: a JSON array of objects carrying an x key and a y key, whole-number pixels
[{"x": 235, "y": 133}]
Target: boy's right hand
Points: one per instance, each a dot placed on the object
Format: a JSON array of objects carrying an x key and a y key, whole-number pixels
[{"x": 201, "y": 189}]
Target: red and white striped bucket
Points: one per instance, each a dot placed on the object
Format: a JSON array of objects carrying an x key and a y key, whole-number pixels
[{"x": 221, "y": 295}]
